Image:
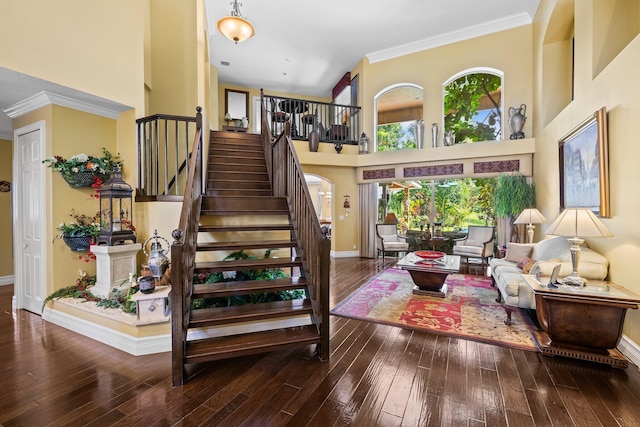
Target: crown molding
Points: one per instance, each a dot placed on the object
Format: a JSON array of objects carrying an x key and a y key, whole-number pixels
[
  {"x": 502, "y": 24},
  {"x": 45, "y": 98}
]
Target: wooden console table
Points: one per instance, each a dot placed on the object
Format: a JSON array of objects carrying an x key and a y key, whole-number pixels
[{"x": 582, "y": 322}]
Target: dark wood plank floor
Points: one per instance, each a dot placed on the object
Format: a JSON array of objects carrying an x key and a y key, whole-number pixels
[{"x": 377, "y": 376}]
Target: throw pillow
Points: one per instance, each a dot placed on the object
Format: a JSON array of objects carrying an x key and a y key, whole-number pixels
[
  {"x": 526, "y": 269},
  {"x": 523, "y": 262},
  {"x": 518, "y": 251}
]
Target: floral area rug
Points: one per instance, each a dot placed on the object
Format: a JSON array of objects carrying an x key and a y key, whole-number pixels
[{"x": 468, "y": 310}]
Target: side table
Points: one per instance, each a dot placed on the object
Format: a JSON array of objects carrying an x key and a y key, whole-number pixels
[{"x": 582, "y": 322}]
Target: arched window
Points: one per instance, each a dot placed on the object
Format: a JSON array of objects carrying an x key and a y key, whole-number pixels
[
  {"x": 399, "y": 118},
  {"x": 473, "y": 105}
]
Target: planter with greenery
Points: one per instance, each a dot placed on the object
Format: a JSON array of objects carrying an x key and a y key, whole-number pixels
[{"x": 81, "y": 232}]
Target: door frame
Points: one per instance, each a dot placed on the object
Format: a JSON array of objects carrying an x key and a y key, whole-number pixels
[{"x": 18, "y": 243}]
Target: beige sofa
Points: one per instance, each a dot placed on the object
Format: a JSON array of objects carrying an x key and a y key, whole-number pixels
[{"x": 539, "y": 258}]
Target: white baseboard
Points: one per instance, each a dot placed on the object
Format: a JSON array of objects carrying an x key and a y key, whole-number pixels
[
  {"x": 345, "y": 254},
  {"x": 115, "y": 339},
  {"x": 158, "y": 343},
  {"x": 7, "y": 280},
  {"x": 630, "y": 349}
]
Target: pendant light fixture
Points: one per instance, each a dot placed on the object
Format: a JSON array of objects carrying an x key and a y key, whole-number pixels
[{"x": 235, "y": 27}]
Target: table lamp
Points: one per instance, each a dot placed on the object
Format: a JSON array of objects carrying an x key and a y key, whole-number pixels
[
  {"x": 530, "y": 217},
  {"x": 574, "y": 222}
]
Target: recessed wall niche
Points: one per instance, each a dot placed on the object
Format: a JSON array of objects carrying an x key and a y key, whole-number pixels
[
  {"x": 558, "y": 60},
  {"x": 615, "y": 24}
]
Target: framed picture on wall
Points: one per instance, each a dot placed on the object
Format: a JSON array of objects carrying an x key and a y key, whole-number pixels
[{"x": 584, "y": 166}]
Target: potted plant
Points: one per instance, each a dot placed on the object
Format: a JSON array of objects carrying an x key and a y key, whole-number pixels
[
  {"x": 512, "y": 194},
  {"x": 81, "y": 232},
  {"x": 82, "y": 170}
]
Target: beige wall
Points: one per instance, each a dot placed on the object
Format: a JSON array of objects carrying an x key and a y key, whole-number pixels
[
  {"x": 75, "y": 43},
  {"x": 508, "y": 51},
  {"x": 615, "y": 87},
  {"x": 6, "y": 243}
]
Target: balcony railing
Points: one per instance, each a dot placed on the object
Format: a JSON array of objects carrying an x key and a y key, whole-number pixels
[{"x": 334, "y": 123}]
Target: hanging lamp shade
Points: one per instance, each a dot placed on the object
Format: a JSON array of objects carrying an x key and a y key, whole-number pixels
[{"x": 235, "y": 26}]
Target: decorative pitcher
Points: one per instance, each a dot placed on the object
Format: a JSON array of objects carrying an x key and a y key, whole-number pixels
[
  {"x": 517, "y": 118},
  {"x": 158, "y": 261}
]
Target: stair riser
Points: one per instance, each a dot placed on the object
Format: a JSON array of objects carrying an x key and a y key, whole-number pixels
[
  {"x": 223, "y": 184},
  {"x": 232, "y": 167},
  {"x": 250, "y": 204},
  {"x": 212, "y": 357},
  {"x": 218, "y": 159},
  {"x": 239, "y": 176}
]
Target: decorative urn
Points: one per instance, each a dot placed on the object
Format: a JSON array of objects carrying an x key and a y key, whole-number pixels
[{"x": 517, "y": 118}]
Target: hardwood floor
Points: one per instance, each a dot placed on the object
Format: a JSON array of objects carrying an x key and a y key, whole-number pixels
[{"x": 377, "y": 376}]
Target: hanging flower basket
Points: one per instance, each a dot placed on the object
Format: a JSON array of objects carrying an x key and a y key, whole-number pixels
[
  {"x": 82, "y": 170},
  {"x": 77, "y": 243},
  {"x": 84, "y": 178}
]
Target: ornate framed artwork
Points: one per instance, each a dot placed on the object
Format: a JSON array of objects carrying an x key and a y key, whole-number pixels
[{"x": 584, "y": 166}]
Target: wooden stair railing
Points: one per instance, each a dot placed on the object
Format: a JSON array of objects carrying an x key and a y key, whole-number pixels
[
  {"x": 183, "y": 251},
  {"x": 288, "y": 181},
  {"x": 239, "y": 210}
]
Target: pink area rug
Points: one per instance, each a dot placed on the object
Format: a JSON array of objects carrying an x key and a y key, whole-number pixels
[{"x": 468, "y": 311}]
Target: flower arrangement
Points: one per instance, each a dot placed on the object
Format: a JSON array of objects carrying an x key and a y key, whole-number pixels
[{"x": 86, "y": 167}]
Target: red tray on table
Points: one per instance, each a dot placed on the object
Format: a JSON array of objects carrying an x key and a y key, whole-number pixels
[{"x": 430, "y": 254}]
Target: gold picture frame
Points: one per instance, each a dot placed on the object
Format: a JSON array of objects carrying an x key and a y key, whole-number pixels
[{"x": 584, "y": 166}]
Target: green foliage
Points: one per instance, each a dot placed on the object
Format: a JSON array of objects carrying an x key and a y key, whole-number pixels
[
  {"x": 462, "y": 102},
  {"x": 81, "y": 290},
  {"x": 393, "y": 137},
  {"x": 513, "y": 194},
  {"x": 469, "y": 201},
  {"x": 266, "y": 274}
]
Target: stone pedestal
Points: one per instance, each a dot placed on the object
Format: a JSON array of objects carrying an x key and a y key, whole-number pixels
[
  {"x": 153, "y": 307},
  {"x": 113, "y": 265}
]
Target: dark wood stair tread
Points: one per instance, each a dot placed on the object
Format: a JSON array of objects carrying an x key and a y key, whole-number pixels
[
  {"x": 246, "y": 264},
  {"x": 253, "y": 343},
  {"x": 248, "y": 312},
  {"x": 237, "y": 228},
  {"x": 265, "y": 244},
  {"x": 226, "y": 289}
]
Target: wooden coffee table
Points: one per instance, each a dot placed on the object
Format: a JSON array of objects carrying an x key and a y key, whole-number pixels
[{"x": 429, "y": 275}]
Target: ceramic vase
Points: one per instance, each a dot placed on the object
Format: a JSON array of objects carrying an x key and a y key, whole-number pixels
[
  {"x": 434, "y": 135},
  {"x": 314, "y": 141}
]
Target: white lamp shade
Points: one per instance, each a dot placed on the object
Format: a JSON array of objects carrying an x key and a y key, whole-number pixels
[
  {"x": 235, "y": 28},
  {"x": 578, "y": 223},
  {"x": 530, "y": 216}
]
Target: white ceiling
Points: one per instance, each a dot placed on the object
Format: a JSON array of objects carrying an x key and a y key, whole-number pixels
[{"x": 304, "y": 47}]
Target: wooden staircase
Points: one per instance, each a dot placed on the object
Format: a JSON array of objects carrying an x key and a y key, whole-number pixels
[{"x": 238, "y": 211}]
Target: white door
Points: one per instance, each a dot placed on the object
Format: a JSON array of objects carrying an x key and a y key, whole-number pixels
[{"x": 28, "y": 202}]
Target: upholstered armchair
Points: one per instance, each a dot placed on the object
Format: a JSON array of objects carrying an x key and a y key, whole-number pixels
[
  {"x": 478, "y": 244},
  {"x": 389, "y": 240}
]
